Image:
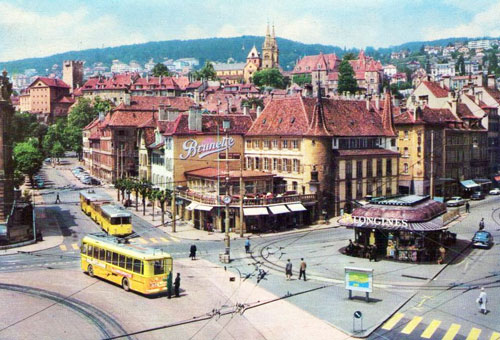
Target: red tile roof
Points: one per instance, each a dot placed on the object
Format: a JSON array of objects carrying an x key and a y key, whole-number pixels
[
  {"x": 426, "y": 115},
  {"x": 494, "y": 93},
  {"x": 128, "y": 118},
  {"x": 436, "y": 90},
  {"x": 293, "y": 116},
  {"x": 240, "y": 124},
  {"x": 310, "y": 63},
  {"x": 150, "y": 103},
  {"x": 464, "y": 112},
  {"x": 51, "y": 82}
]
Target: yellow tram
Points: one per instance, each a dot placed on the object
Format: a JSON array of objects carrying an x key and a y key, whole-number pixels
[{"x": 139, "y": 268}]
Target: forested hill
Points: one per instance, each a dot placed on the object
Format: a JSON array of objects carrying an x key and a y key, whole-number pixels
[{"x": 215, "y": 49}]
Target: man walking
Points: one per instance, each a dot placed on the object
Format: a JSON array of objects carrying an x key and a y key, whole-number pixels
[
  {"x": 58, "y": 200},
  {"x": 288, "y": 270},
  {"x": 169, "y": 285},
  {"x": 467, "y": 207},
  {"x": 247, "y": 245},
  {"x": 482, "y": 300},
  {"x": 302, "y": 270},
  {"x": 177, "y": 284},
  {"x": 481, "y": 224},
  {"x": 192, "y": 252}
]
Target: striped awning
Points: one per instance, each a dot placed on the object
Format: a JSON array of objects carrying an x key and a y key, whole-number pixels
[
  {"x": 469, "y": 184},
  {"x": 255, "y": 211},
  {"x": 192, "y": 206}
]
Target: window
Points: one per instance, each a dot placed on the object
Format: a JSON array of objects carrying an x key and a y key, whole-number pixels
[
  {"x": 406, "y": 133},
  {"x": 379, "y": 187},
  {"x": 369, "y": 168},
  {"x": 95, "y": 253},
  {"x": 348, "y": 169},
  {"x": 393, "y": 142},
  {"x": 379, "y": 167},
  {"x": 294, "y": 186},
  {"x": 128, "y": 263},
  {"x": 285, "y": 144},
  {"x": 348, "y": 190},
  {"x": 275, "y": 144},
  {"x": 388, "y": 166},
  {"x": 285, "y": 163},
  {"x": 257, "y": 163},
  {"x": 359, "y": 169},
  {"x": 388, "y": 187},
  {"x": 369, "y": 187},
  {"x": 108, "y": 256},
  {"x": 266, "y": 163},
  {"x": 279, "y": 164},
  {"x": 295, "y": 144},
  {"x": 275, "y": 164},
  {"x": 296, "y": 165},
  {"x": 137, "y": 266},
  {"x": 114, "y": 259},
  {"x": 266, "y": 144},
  {"x": 83, "y": 249},
  {"x": 102, "y": 254},
  {"x": 256, "y": 144},
  {"x": 359, "y": 189},
  {"x": 405, "y": 168},
  {"x": 249, "y": 144},
  {"x": 159, "y": 267},
  {"x": 406, "y": 154},
  {"x": 121, "y": 262}
]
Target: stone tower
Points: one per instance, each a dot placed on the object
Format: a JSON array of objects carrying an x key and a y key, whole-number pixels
[
  {"x": 270, "y": 51},
  {"x": 73, "y": 73},
  {"x": 6, "y": 163}
]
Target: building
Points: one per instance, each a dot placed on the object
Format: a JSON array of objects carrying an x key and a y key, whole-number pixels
[
  {"x": 311, "y": 145},
  {"x": 116, "y": 89},
  {"x": 483, "y": 43},
  {"x": 270, "y": 51},
  {"x": 47, "y": 98},
  {"x": 439, "y": 70},
  {"x": 390, "y": 70},
  {"x": 73, "y": 73},
  {"x": 230, "y": 73}
]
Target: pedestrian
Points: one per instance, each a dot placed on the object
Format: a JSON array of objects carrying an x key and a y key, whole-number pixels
[
  {"x": 482, "y": 300},
  {"x": 442, "y": 254},
  {"x": 177, "y": 284},
  {"x": 247, "y": 245},
  {"x": 169, "y": 285},
  {"x": 350, "y": 248},
  {"x": 192, "y": 252},
  {"x": 58, "y": 200},
  {"x": 467, "y": 207},
  {"x": 481, "y": 224},
  {"x": 302, "y": 270},
  {"x": 288, "y": 270},
  {"x": 373, "y": 252}
]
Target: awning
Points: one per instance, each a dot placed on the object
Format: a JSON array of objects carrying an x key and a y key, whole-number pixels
[
  {"x": 203, "y": 207},
  {"x": 192, "y": 206},
  {"x": 296, "y": 207},
  {"x": 279, "y": 209},
  {"x": 255, "y": 211},
  {"x": 469, "y": 184},
  {"x": 482, "y": 181}
]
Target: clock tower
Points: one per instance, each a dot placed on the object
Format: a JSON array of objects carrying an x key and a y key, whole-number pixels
[{"x": 270, "y": 51}]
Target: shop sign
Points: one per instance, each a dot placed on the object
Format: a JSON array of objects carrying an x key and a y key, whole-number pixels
[
  {"x": 206, "y": 147},
  {"x": 359, "y": 279},
  {"x": 361, "y": 221}
]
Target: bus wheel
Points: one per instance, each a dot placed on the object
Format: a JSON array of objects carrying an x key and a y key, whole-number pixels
[
  {"x": 90, "y": 270},
  {"x": 125, "y": 285}
]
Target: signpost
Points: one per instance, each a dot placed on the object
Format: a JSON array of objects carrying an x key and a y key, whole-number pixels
[
  {"x": 357, "y": 315},
  {"x": 359, "y": 279}
]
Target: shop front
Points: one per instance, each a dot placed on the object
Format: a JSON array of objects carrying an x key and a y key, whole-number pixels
[{"x": 405, "y": 228}]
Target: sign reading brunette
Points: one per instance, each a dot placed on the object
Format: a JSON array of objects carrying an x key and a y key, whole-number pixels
[{"x": 207, "y": 147}]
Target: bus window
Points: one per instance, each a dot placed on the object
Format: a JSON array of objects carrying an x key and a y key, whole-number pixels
[
  {"x": 108, "y": 256},
  {"x": 83, "y": 248},
  {"x": 137, "y": 266},
  {"x": 89, "y": 250},
  {"x": 129, "y": 263},
  {"x": 159, "y": 267},
  {"x": 96, "y": 253},
  {"x": 115, "y": 259},
  {"x": 122, "y": 261},
  {"x": 115, "y": 220},
  {"x": 125, "y": 220},
  {"x": 102, "y": 254}
]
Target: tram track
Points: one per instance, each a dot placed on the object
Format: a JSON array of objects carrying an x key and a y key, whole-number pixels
[{"x": 106, "y": 325}]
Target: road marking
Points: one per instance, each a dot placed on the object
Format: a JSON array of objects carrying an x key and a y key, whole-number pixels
[
  {"x": 411, "y": 325},
  {"x": 174, "y": 239},
  {"x": 75, "y": 246},
  {"x": 141, "y": 240},
  {"x": 495, "y": 336},
  {"x": 424, "y": 298},
  {"x": 63, "y": 247},
  {"x": 165, "y": 240},
  {"x": 152, "y": 239},
  {"x": 393, "y": 321},
  {"x": 427, "y": 334},
  {"x": 473, "y": 334},
  {"x": 452, "y": 331}
]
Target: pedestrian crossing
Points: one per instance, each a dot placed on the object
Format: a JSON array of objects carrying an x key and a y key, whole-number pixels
[
  {"x": 429, "y": 330},
  {"x": 139, "y": 240}
]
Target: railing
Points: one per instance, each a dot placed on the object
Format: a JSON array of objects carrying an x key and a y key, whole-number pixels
[{"x": 212, "y": 200}]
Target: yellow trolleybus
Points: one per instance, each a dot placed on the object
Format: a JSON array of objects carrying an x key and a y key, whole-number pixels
[
  {"x": 138, "y": 268},
  {"x": 88, "y": 200},
  {"x": 114, "y": 219}
]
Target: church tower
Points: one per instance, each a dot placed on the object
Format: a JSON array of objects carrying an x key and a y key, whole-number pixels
[{"x": 270, "y": 52}]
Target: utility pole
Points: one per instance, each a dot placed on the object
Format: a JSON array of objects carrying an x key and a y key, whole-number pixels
[
  {"x": 122, "y": 162},
  {"x": 227, "y": 198},
  {"x": 173, "y": 210},
  {"x": 242, "y": 193},
  {"x": 432, "y": 164}
]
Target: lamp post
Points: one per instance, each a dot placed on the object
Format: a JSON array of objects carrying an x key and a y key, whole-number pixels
[{"x": 227, "y": 198}]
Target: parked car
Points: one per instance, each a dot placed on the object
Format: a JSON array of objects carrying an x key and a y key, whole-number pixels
[
  {"x": 495, "y": 191},
  {"x": 95, "y": 181},
  {"x": 40, "y": 184},
  {"x": 86, "y": 180},
  {"x": 455, "y": 201},
  {"x": 482, "y": 239},
  {"x": 47, "y": 160},
  {"x": 478, "y": 195},
  {"x": 78, "y": 168}
]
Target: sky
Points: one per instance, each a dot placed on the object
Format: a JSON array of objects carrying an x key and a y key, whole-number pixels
[{"x": 44, "y": 27}]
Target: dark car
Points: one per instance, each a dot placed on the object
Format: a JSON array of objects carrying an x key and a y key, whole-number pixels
[
  {"x": 95, "y": 181},
  {"x": 478, "y": 195},
  {"x": 482, "y": 239}
]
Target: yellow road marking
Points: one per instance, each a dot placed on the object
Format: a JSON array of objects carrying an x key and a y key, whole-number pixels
[
  {"x": 411, "y": 325},
  {"x": 495, "y": 336},
  {"x": 424, "y": 298},
  {"x": 473, "y": 334},
  {"x": 75, "y": 246},
  {"x": 141, "y": 240},
  {"x": 152, "y": 239},
  {"x": 164, "y": 239},
  {"x": 174, "y": 239},
  {"x": 427, "y": 334},
  {"x": 63, "y": 247},
  {"x": 452, "y": 331},
  {"x": 393, "y": 321}
]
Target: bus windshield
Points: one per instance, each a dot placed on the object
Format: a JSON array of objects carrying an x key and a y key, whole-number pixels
[
  {"x": 159, "y": 266},
  {"x": 120, "y": 220}
]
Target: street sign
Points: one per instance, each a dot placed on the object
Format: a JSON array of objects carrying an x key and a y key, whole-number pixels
[
  {"x": 358, "y": 314},
  {"x": 359, "y": 279}
]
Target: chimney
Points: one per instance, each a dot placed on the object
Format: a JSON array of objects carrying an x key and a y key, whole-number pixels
[
  {"x": 417, "y": 113},
  {"x": 367, "y": 101},
  {"x": 245, "y": 109},
  {"x": 199, "y": 120},
  {"x": 454, "y": 103},
  {"x": 126, "y": 99},
  {"x": 492, "y": 82},
  {"x": 161, "y": 112},
  {"x": 259, "y": 110},
  {"x": 101, "y": 116},
  {"x": 447, "y": 81},
  {"x": 192, "y": 118},
  {"x": 377, "y": 101}
]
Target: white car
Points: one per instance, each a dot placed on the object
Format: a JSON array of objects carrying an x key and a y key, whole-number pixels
[
  {"x": 495, "y": 191},
  {"x": 455, "y": 201}
]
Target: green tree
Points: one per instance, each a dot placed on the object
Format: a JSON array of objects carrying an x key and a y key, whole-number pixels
[
  {"x": 347, "y": 82},
  {"x": 136, "y": 188},
  {"x": 302, "y": 79},
  {"x": 57, "y": 151},
  {"x": 160, "y": 70},
  {"x": 269, "y": 77},
  {"x": 144, "y": 191},
  {"x": 349, "y": 56},
  {"x": 207, "y": 72},
  {"x": 28, "y": 158},
  {"x": 55, "y": 133},
  {"x": 493, "y": 64},
  {"x": 163, "y": 197},
  {"x": 460, "y": 66}
]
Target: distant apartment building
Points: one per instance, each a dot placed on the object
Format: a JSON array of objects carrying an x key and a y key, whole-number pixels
[
  {"x": 390, "y": 70},
  {"x": 483, "y": 43},
  {"x": 439, "y": 70}
]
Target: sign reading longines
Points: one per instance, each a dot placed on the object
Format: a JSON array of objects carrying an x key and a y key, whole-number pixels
[
  {"x": 360, "y": 221},
  {"x": 207, "y": 147}
]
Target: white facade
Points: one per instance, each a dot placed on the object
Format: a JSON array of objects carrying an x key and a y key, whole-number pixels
[
  {"x": 486, "y": 44},
  {"x": 390, "y": 70},
  {"x": 162, "y": 161},
  {"x": 439, "y": 70}
]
